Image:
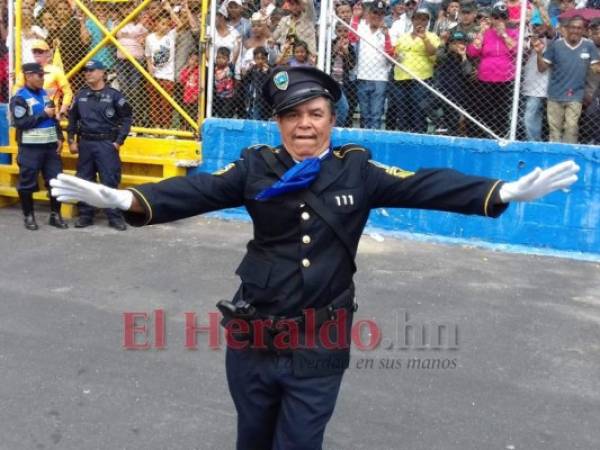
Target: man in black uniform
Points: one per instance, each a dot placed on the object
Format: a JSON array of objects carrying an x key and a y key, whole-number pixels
[
  {"x": 309, "y": 203},
  {"x": 99, "y": 122},
  {"x": 40, "y": 139}
]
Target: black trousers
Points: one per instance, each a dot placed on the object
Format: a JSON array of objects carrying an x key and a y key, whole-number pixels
[
  {"x": 33, "y": 158},
  {"x": 99, "y": 157},
  {"x": 277, "y": 410},
  {"x": 494, "y": 106}
]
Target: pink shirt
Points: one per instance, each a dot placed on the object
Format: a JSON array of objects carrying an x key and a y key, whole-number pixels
[
  {"x": 497, "y": 61},
  {"x": 132, "y": 38}
]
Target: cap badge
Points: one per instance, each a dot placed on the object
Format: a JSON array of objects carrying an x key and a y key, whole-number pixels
[{"x": 281, "y": 80}]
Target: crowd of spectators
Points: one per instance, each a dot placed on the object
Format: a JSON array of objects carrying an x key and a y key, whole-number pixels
[{"x": 467, "y": 50}]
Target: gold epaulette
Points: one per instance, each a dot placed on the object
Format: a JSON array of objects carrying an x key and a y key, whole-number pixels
[
  {"x": 260, "y": 147},
  {"x": 392, "y": 170},
  {"x": 342, "y": 151}
]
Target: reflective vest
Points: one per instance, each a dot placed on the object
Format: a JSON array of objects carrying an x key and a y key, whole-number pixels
[{"x": 45, "y": 131}]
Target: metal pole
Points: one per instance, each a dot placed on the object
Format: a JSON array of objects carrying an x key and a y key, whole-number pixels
[
  {"x": 330, "y": 31},
  {"x": 17, "y": 34},
  {"x": 322, "y": 36},
  {"x": 211, "y": 59},
  {"x": 514, "y": 120},
  {"x": 203, "y": 44},
  {"x": 11, "y": 47}
]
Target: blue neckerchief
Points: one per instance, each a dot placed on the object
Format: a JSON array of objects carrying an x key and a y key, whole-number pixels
[{"x": 296, "y": 178}]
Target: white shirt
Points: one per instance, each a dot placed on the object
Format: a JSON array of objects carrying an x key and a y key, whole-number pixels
[
  {"x": 535, "y": 83},
  {"x": 230, "y": 41},
  {"x": 400, "y": 26},
  {"x": 372, "y": 64},
  {"x": 26, "y": 43},
  {"x": 161, "y": 52}
]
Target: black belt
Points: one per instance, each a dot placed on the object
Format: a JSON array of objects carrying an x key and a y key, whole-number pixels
[
  {"x": 98, "y": 136},
  {"x": 246, "y": 312}
]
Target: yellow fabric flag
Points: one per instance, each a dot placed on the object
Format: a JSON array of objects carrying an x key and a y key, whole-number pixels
[{"x": 57, "y": 59}]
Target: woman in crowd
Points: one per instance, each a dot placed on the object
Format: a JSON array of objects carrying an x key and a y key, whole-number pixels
[
  {"x": 226, "y": 35},
  {"x": 260, "y": 36},
  {"x": 49, "y": 26},
  {"x": 496, "y": 47},
  {"x": 71, "y": 26},
  {"x": 131, "y": 82}
]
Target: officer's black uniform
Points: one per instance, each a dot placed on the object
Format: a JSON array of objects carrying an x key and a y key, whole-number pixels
[
  {"x": 299, "y": 259},
  {"x": 99, "y": 119},
  {"x": 39, "y": 137}
]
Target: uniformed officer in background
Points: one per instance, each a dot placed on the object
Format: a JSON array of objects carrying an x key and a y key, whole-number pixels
[
  {"x": 99, "y": 122},
  {"x": 309, "y": 203},
  {"x": 40, "y": 139}
]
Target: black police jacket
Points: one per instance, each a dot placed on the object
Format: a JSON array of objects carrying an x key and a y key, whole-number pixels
[
  {"x": 105, "y": 111},
  {"x": 295, "y": 259}
]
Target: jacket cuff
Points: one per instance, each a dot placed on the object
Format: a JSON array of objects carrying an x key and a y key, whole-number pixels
[
  {"x": 493, "y": 205},
  {"x": 139, "y": 219}
]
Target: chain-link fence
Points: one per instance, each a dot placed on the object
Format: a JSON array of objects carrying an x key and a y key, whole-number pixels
[
  {"x": 452, "y": 68},
  {"x": 150, "y": 50},
  {"x": 464, "y": 69}
]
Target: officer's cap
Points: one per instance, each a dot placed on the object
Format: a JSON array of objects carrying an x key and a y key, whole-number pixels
[
  {"x": 40, "y": 44},
  {"x": 290, "y": 86},
  {"x": 32, "y": 68},
  {"x": 94, "y": 64},
  {"x": 499, "y": 11},
  {"x": 422, "y": 11},
  {"x": 378, "y": 7},
  {"x": 458, "y": 36},
  {"x": 468, "y": 7}
]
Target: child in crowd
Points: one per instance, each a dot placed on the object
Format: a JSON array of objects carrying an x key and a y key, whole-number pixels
[
  {"x": 253, "y": 80},
  {"x": 224, "y": 85},
  {"x": 295, "y": 54},
  {"x": 160, "y": 59},
  {"x": 189, "y": 77},
  {"x": 452, "y": 75},
  {"x": 301, "y": 56}
]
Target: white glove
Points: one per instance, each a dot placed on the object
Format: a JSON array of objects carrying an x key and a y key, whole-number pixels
[
  {"x": 67, "y": 188},
  {"x": 540, "y": 182}
]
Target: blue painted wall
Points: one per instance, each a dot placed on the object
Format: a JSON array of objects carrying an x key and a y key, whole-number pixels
[
  {"x": 560, "y": 221},
  {"x": 4, "y": 157}
]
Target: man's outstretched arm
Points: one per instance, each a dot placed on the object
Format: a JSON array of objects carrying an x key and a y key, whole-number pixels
[
  {"x": 448, "y": 190},
  {"x": 165, "y": 201}
]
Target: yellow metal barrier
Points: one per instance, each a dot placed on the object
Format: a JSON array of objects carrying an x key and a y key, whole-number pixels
[
  {"x": 137, "y": 65},
  {"x": 144, "y": 160}
]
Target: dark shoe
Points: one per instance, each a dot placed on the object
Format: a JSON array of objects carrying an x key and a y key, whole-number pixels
[
  {"x": 117, "y": 225},
  {"x": 57, "y": 221},
  {"x": 30, "y": 222},
  {"x": 83, "y": 222}
]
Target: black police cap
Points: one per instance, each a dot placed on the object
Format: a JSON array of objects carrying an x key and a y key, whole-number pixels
[
  {"x": 32, "y": 68},
  {"x": 287, "y": 87}
]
